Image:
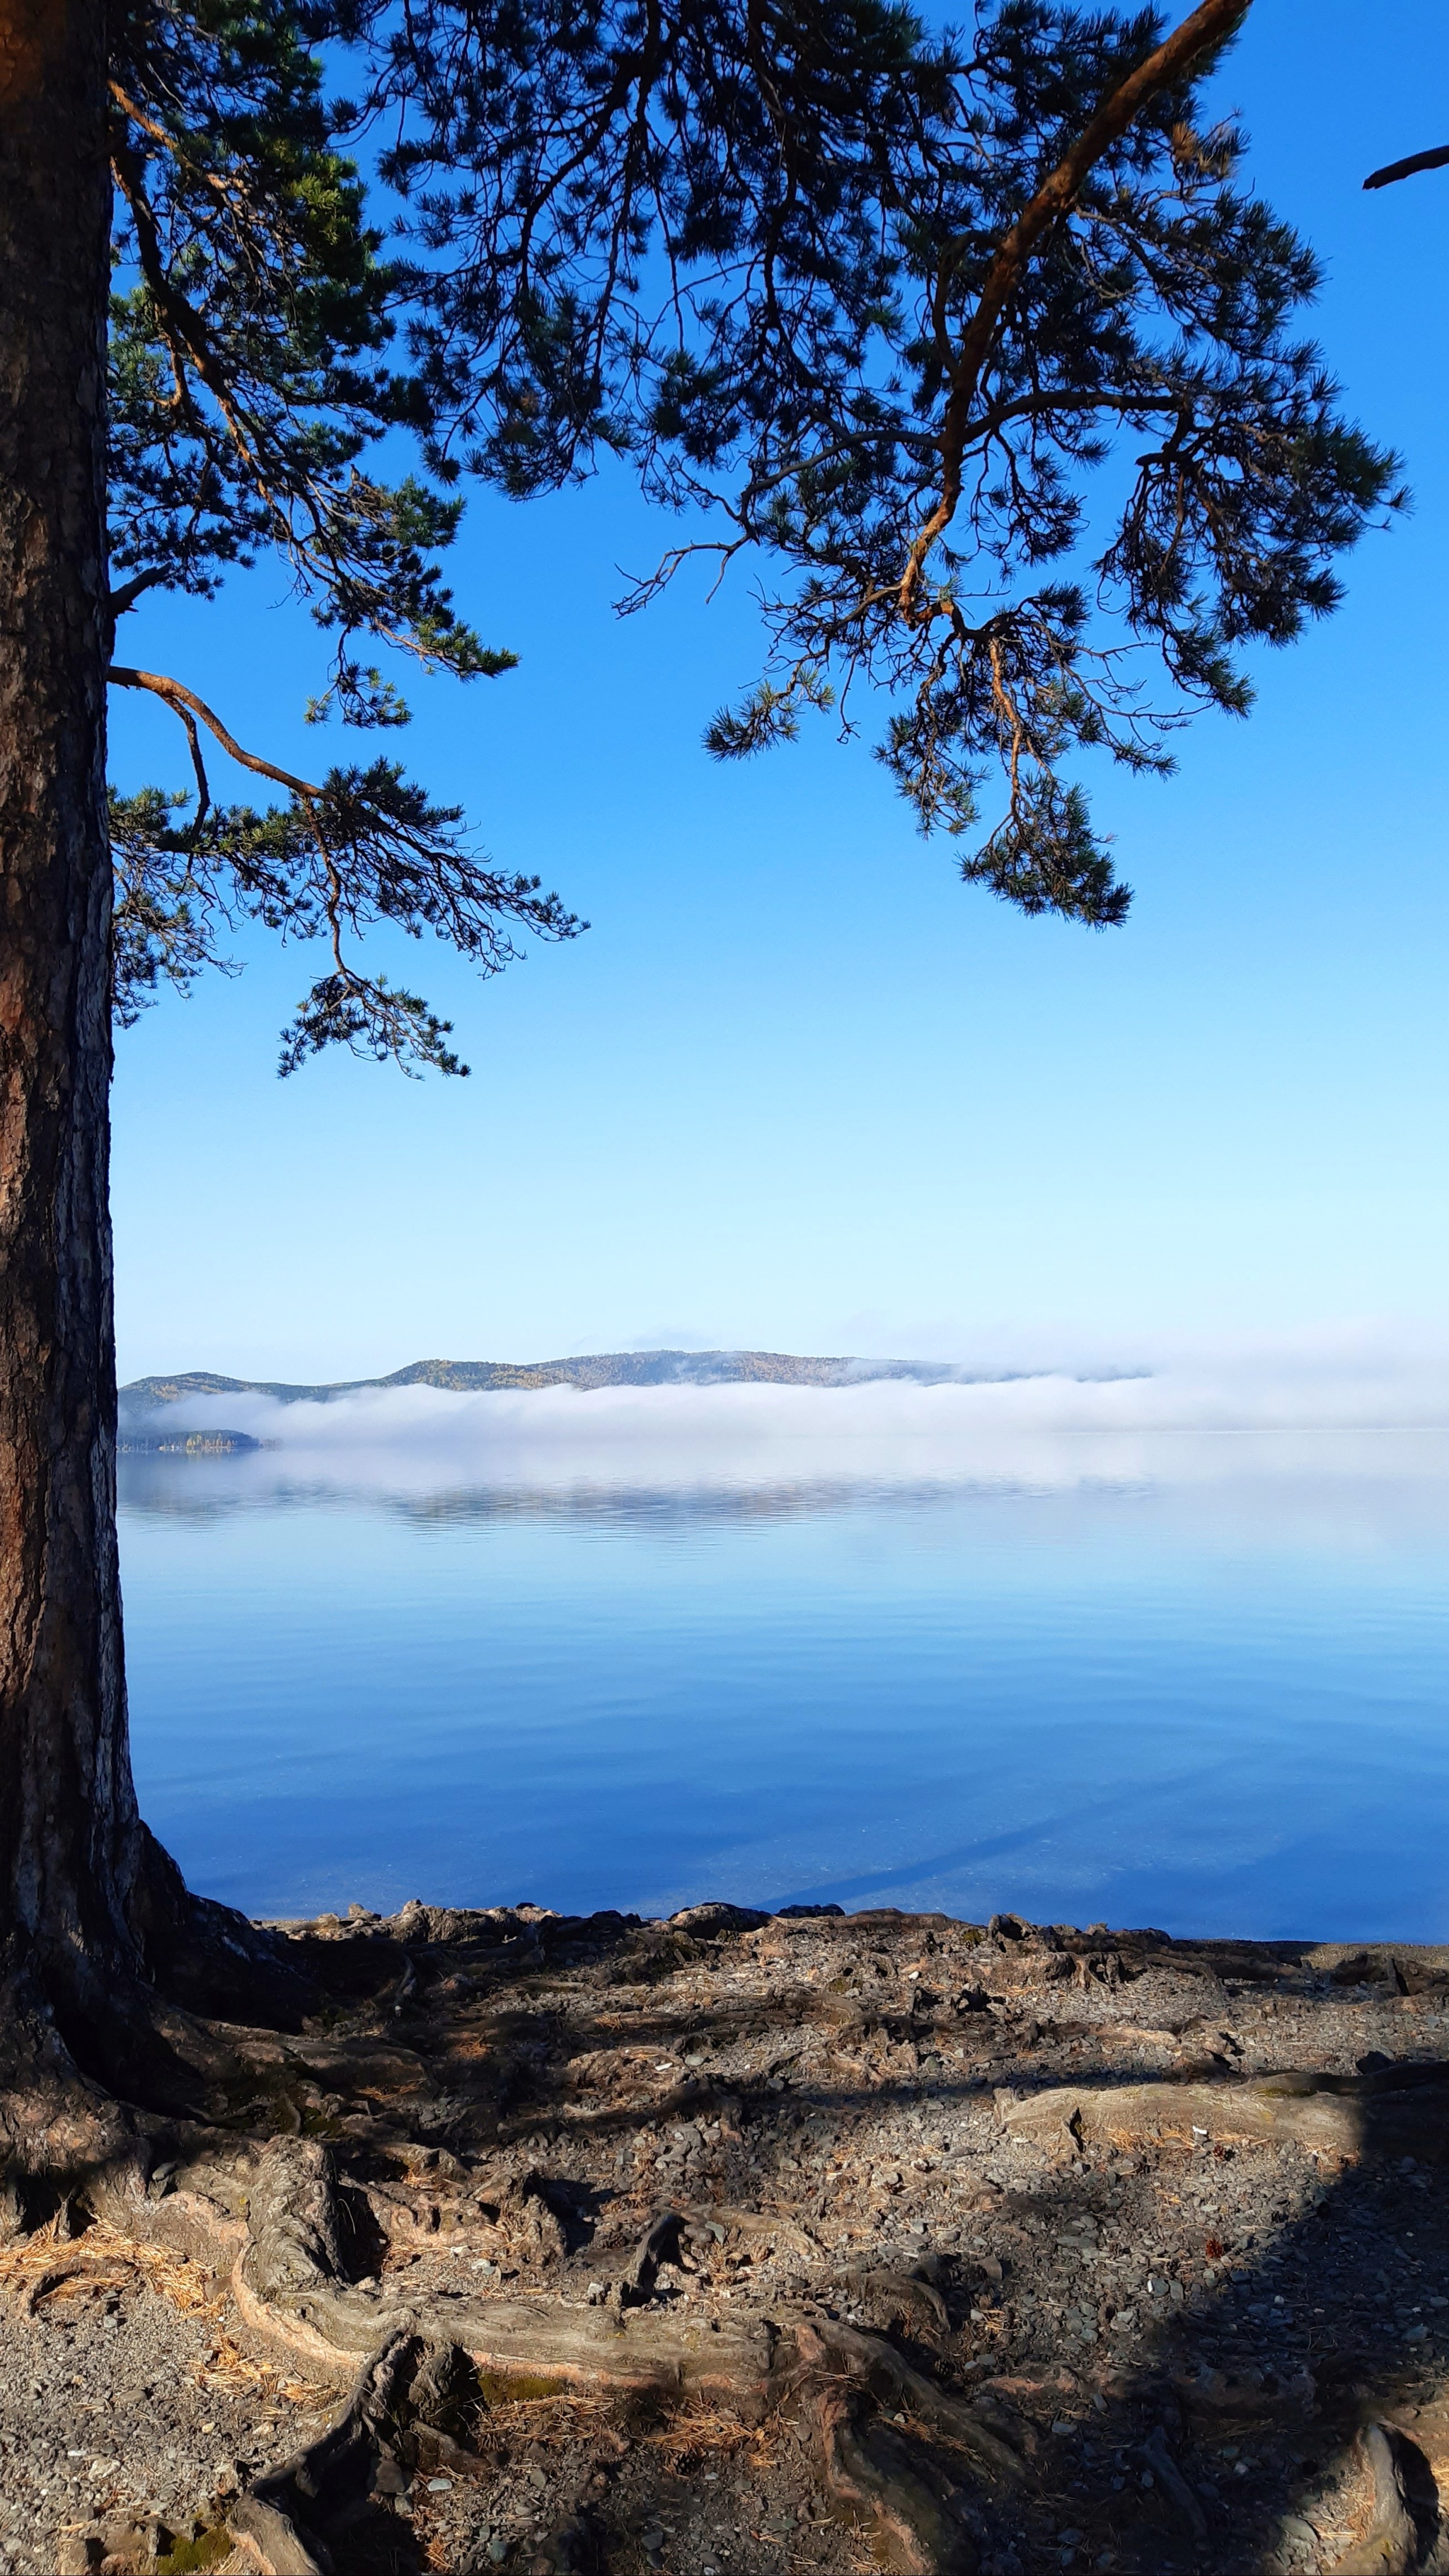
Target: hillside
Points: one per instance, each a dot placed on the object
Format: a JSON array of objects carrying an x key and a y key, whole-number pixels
[{"x": 598, "y": 1369}]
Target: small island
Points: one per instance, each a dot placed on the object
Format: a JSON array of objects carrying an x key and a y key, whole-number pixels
[{"x": 184, "y": 1444}]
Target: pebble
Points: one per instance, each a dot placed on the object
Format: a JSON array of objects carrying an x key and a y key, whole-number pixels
[{"x": 145, "y": 2385}]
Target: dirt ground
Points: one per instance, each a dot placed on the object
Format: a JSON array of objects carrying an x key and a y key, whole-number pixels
[{"x": 1162, "y": 2221}]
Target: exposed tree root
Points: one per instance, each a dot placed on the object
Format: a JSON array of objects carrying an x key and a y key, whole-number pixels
[
  {"x": 212, "y": 1961},
  {"x": 443, "y": 2291},
  {"x": 1404, "y": 2110},
  {"x": 1392, "y": 2545},
  {"x": 288, "y": 2275},
  {"x": 898, "y": 2299},
  {"x": 303, "y": 2508},
  {"x": 296, "y": 2520},
  {"x": 425, "y": 2361},
  {"x": 875, "y": 2367},
  {"x": 843, "y": 2379},
  {"x": 53, "y": 2121},
  {"x": 869, "y": 2472}
]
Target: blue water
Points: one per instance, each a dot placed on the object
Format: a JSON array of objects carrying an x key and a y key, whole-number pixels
[{"x": 1202, "y": 1685}]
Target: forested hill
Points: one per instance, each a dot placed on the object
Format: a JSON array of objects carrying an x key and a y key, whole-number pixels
[{"x": 603, "y": 1368}]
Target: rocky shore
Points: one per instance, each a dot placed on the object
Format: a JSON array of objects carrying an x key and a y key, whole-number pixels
[{"x": 747, "y": 2245}]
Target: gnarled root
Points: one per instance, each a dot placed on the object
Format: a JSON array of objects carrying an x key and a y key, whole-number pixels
[
  {"x": 898, "y": 2299},
  {"x": 290, "y": 2285},
  {"x": 877, "y": 2368},
  {"x": 659, "y": 2244},
  {"x": 1392, "y": 2111},
  {"x": 54, "y": 2124},
  {"x": 605, "y": 2307},
  {"x": 1392, "y": 2545},
  {"x": 843, "y": 2379},
  {"x": 296, "y": 2510},
  {"x": 867, "y": 2471},
  {"x": 866, "y": 2465},
  {"x": 422, "y": 2361},
  {"x": 207, "y": 1958}
]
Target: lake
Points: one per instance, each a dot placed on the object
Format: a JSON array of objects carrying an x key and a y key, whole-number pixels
[{"x": 1200, "y": 1682}]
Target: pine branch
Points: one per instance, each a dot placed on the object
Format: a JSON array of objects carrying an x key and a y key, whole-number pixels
[
  {"x": 187, "y": 705},
  {"x": 358, "y": 848},
  {"x": 1180, "y": 55},
  {"x": 887, "y": 305}
]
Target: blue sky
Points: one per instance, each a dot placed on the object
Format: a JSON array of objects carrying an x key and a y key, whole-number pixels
[{"x": 798, "y": 1087}]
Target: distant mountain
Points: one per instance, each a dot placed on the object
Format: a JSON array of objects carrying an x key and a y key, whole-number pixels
[{"x": 605, "y": 1368}]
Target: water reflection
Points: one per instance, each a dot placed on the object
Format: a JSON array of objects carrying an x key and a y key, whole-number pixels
[
  {"x": 1197, "y": 1681},
  {"x": 152, "y": 1488}
]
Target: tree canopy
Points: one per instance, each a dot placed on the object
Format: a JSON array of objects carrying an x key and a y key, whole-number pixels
[{"x": 977, "y": 345}]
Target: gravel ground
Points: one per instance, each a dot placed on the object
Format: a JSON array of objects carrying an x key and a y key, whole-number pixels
[
  {"x": 124, "y": 2396},
  {"x": 1186, "y": 2336}
]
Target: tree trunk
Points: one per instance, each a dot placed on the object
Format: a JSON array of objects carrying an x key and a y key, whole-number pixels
[
  {"x": 71, "y": 1845},
  {"x": 92, "y": 1912}
]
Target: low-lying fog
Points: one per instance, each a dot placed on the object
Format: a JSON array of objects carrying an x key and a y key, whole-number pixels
[{"x": 1205, "y": 1415}]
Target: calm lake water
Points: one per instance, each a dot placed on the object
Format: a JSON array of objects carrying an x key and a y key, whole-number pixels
[{"x": 1195, "y": 1682}]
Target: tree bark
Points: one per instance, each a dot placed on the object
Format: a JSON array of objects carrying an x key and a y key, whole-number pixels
[
  {"x": 92, "y": 1912},
  {"x": 72, "y": 1849}
]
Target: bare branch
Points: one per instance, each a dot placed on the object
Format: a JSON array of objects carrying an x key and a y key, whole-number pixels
[
  {"x": 125, "y": 598},
  {"x": 203, "y": 790},
  {"x": 185, "y": 704},
  {"x": 1437, "y": 160}
]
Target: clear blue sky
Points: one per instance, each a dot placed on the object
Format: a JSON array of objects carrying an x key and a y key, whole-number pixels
[{"x": 798, "y": 1087}]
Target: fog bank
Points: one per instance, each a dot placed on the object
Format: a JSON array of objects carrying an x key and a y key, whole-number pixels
[{"x": 1218, "y": 1405}]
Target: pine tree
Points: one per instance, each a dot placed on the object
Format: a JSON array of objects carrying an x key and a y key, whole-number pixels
[{"x": 281, "y": 278}]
